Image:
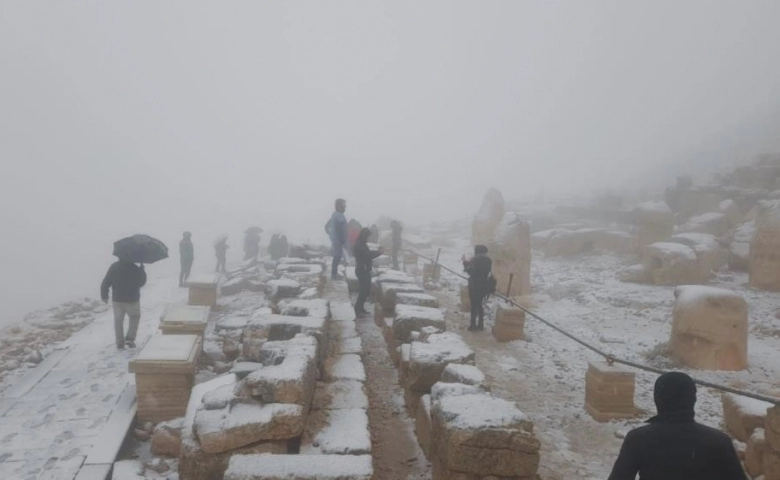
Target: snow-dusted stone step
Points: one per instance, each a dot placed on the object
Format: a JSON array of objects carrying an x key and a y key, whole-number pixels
[
  {"x": 203, "y": 289},
  {"x": 300, "y": 467},
  {"x": 179, "y": 319},
  {"x": 166, "y": 439},
  {"x": 264, "y": 327},
  {"x": 291, "y": 381},
  {"x": 345, "y": 367},
  {"x": 389, "y": 294},
  {"x": 340, "y": 330},
  {"x": 278, "y": 289},
  {"x": 339, "y": 395},
  {"x": 339, "y": 432},
  {"x": 196, "y": 464},
  {"x": 244, "y": 424},
  {"x": 427, "y": 360},
  {"x": 317, "y": 308},
  {"x": 231, "y": 323},
  {"x": 743, "y": 416},
  {"x": 348, "y": 345},
  {"x": 411, "y": 318},
  {"x": 465, "y": 374},
  {"x": 342, "y": 312},
  {"x": 310, "y": 268},
  {"x": 417, "y": 299},
  {"x": 422, "y": 424}
]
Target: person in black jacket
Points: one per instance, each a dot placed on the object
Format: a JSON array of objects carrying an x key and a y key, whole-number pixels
[
  {"x": 125, "y": 280},
  {"x": 364, "y": 259},
  {"x": 396, "y": 228},
  {"x": 187, "y": 256},
  {"x": 673, "y": 446},
  {"x": 478, "y": 269}
]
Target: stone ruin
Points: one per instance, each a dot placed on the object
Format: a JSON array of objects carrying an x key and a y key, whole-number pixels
[
  {"x": 764, "y": 256},
  {"x": 510, "y": 250},
  {"x": 561, "y": 242},
  {"x": 488, "y": 218},
  {"x": 654, "y": 222},
  {"x": 686, "y": 258},
  {"x": 709, "y": 328}
]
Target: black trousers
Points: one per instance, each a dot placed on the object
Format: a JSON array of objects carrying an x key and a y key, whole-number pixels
[
  {"x": 364, "y": 290},
  {"x": 476, "y": 297},
  {"x": 184, "y": 273}
]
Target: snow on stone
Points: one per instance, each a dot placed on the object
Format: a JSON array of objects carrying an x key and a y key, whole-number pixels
[
  {"x": 675, "y": 252},
  {"x": 686, "y": 294},
  {"x": 441, "y": 347},
  {"x": 232, "y": 323},
  {"x": 418, "y": 299},
  {"x": 394, "y": 276},
  {"x": 342, "y": 432},
  {"x": 339, "y": 395},
  {"x": 304, "y": 308},
  {"x": 196, "y": 397},
  {"x": 300, "y": 467},
  {"x": 473, "y": 411},
  {"x": 466, "y": 374},
  {"x": 345, "y": 367},
  {"x": 242, "y": 369},
  {"x": 403, "y": 312},
  {"x": 697, "y": 241},
  {"x": 128, "y": 470},
  {"x": 220, "y": 397}
]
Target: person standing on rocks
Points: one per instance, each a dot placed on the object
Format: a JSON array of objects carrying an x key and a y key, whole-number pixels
[
  {"x": 220, "y": 249},
  {"x": 364, "y": 258},
  {"x": 396, "y": 228},
  {"x": 187, "y": 256},
  {"x": 673, "y": 446},
  {"x": 478, "y": 269},
  {"x": 124, "y": 279},
  {"x": 336, "y": 228}
]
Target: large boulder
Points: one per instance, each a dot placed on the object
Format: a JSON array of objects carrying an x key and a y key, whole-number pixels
[
  {"x": 709, "y": 328},
  {"x": 510, "y": 250},
  {"x": 488, "y": 217}
]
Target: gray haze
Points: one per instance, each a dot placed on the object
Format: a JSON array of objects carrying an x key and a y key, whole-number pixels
[{"x": 156, "y": 117}]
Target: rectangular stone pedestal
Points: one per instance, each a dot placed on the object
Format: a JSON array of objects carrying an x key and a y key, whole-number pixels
[
  {"x": 185, "y": 319},
  {"x": 465, "y": 299},
  {"x": 430, "y": 272},
  {"x": 772, "y": 444},
  {"x": 164, "y": 375},
  {"x": 203, "y": 289},
  {"x": 509, "y": 325},
  {"x": 609, "y": 392}
]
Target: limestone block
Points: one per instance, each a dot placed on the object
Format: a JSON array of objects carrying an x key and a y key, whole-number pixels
[
  {"x": 772, "y": 430},
  {"x": 203, "y": 289},
  {"x": 317, "y": 308},
  {"x": 654, "y": 223},
  {"x": 196, "y": 464},
  {"x": 483, "y": 435},
  {"x": 743, "y": 416},
  {"x": 771, "y": 465},
  {"x": 465, "y": 299},
  {"x": 299, "y": 467},
  {"x": 389, "y": 292},
  {"x": 672, "y": 264},
  {"x": 411, "y": 318},
  {"x": 345, "y": 367},
  {"x": 291, "y": 378},
  {"x": 764, "y": 256},
  {"x": 510, "y": 251},
  {"x": 245, "y": 424},
  {"x": 509, "y": 324},
  {"x": 609, "y": 392},
  {"x": 713, "y": 223},
  {"x": 338, "y": 432},
  {"x": 234, "y": 286},
  {"x": 166, "y": 438},
  {"x": 422, "y": 424},
  {"x": 417, "y": 300},
  {"x": 709, "y": 328},
  {"x": 427, "y": 360},
  {"x": 263, "y": 327},
  {"x": 465, "y": 374},
  {"x": 754, "y": 453},
  {"x": 278, "y": 289},
  {"x": 340, "y": 395},
  {"x": 711, "y": 257},
  {"x": 488, "y": 217}
]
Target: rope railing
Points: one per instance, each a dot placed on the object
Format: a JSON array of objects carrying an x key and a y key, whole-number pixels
[{"x": 607, "y": 356}]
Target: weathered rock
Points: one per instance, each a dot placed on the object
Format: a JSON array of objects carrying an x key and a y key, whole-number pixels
[
  {"x": 128, "y": 470},
  {"x": 743, "y": 416},
  {"x": 245, "y": 424},
  {"x": 157, "y": 465},
  {"x": 339, "y": 395},
  {"x": 709, "y": 328},
  {"x": 264, "y": 327},
  {"x": 166, "y": 439},
  {"x": 282, "y": 288},
  {"x": 509, "y": 324},
  {"x": 234, "y": 286},
  {"x": 417, "y": 300},
  {"x": 290, "y": 381},
  {"x": 764, "y": 260},
  {"x": 754, "y": 453},
  {"x": 465, "y": 374},
  {"x": 410, "y": 318},
  {"x": 300, "y": 467},
  {"x": 672, "y": 264},
  {"x": 488, "y": 217},
  {"x": 390, "y": 291},
  {"x": 422, "y": 424},
  {"x": 713, "y": 223},
  {"x": 510, "y": 250},
  {"x": 196, "y": 464},
  {"x": 340, "y": 432},
  {"x": 708, "y": 251},
  {"x": 609, "y": 392},
  {"x": 427, "y": 360},
  {"x": 317, "y": 308}
]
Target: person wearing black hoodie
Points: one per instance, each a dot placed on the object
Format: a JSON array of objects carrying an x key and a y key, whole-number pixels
[
  {"x": 478, "y": 269},
  {"x": 364, "y": 259},
  {"x": 125, "y": 280},
  {"x": 673, "y": 446}
]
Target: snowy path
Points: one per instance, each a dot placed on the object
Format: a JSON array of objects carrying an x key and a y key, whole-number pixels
[{"x": 53, "y": 418}]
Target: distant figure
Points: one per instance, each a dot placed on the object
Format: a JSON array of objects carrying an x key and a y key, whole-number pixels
[
  {"x": 284, "y": 246},
  {"x": 125, "y": 280},
  {"x": 220, "y": 249},
  {"x": 673, "y": 446},
  {"x": 374, "y": 238},
  {"x": 353, "y": 230},
  {"x": 187, "y": 255},
  {"x": 478, "y": 268},
  {"x": 396, "y": 228},
  {"x": 273, "y": 247},
  {"x": 336, "y": 228},
  {"x": 363, "y": 265},
  {"x": 251, "y": 244}
]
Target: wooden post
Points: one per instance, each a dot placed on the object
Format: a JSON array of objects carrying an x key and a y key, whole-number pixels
[
  {"x": 436, "y": 269},
  {"x": 509, "y": 286}
]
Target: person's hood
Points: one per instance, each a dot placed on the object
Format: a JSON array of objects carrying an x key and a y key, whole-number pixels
[
  {"x": 675, "y": 397},
  {"x": 364, "y": 235}
]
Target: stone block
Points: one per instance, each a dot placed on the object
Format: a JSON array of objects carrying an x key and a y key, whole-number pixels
[
  {"x": 764, "y": 253},
  {"x": 337, "y": 432},
  {"x": 772, "y": 429},
  {"x": 245, "y": 424},
  {"x": 410, "y": 318},
  {"x": 417, "y": 299},
  {"x": 317, "y": 308},
  {"x": 509, "y": 324},
  {"x": 390, "y": 291},
  {"x": 234, "y": 286},
  {"x": 668, "y": 263},
  {"x": 465, "y": 374},
  {"x": 166, "y": 438},
  {"x": 431, "y": 272},
  {"x": 709, "y": 328},
  {"x": 743, "y": 416},
  {"x": 713, "y": 223},
  {"x": 609, "y": 392},
  {"x": 427, "y": 360},
  {"x": 412, "y": 401},
  {"x": 771, "y": 465},
  {"x": 345, "y": 367},
  {"x": 465, "y": 299},
  {"x": 340, "y": 395},
  {"x": 278, "y": 289},
  {"x": 264, "y": 327},
  {"x": 300, "y": 467},
  {"x": 291, "y": 378},
  {"x": 203, "y": 289},
  {"x": 754, "y": 453},
  {"x": 422, "y": 424},
  {"x": 196, "y": 464}
]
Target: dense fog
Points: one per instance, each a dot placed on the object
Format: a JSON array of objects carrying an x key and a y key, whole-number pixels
[{"x": 159, "y": 117}]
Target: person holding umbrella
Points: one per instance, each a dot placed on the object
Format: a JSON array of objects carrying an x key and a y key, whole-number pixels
[
  {"x": 220, "y": 249},
  {"x": 125, "y": 279},
  {"x": 187, "y": 254}
]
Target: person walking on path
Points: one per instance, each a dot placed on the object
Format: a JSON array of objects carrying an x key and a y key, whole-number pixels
[
  {"x": 673, "y": 446},
  {"x": 478, "y": 269},
  {"x": 187, "y": 255},
  {"x": 252, "y": 243},
  {"x": 364, "y": 258},
  {"x": 396, "y": 228},
  {"x": 124, "y": 279},
  {"x": 220, "y": 249},
  {"x": 336, "y": 228}
]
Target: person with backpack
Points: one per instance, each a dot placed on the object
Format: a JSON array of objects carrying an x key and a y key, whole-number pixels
[
  {"x": 364, "y": 258},
  {"x": 481, "y": 284}
]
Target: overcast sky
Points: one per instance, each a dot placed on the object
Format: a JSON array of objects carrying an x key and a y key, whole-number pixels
[{"x": 156, "y": 117}]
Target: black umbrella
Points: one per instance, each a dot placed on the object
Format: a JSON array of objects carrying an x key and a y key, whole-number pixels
[{"x": 140, "y": 249}]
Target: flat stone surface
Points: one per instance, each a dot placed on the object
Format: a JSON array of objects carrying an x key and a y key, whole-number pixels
[
  {"x": 345, "y": 367},
  {"x": 341, "y": 394},
  {"x": 340, "y": 432},
  {"x": 300, "y": 467}
]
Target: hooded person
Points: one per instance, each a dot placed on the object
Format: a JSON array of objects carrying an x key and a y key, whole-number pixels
[
  {"x": 478, "y": 269},
  {"x": 187, "y": 256},
  {"x": 673, "y": 446},
  {"x": 364, "y": 258},
  {"x": 124, "y": 280}
]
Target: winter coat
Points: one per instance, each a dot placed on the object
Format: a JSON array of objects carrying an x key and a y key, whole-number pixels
[
  {"x": 337, "y": 230},
  {"x": 673, "y": 446},
  {"x": 186, "y": 251},
  {"x": 125, "y": 280},
  {"x": 220, "y": 250},
  {"x": 478, "y": 269},
  {"x": 364, "y": 259}
]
